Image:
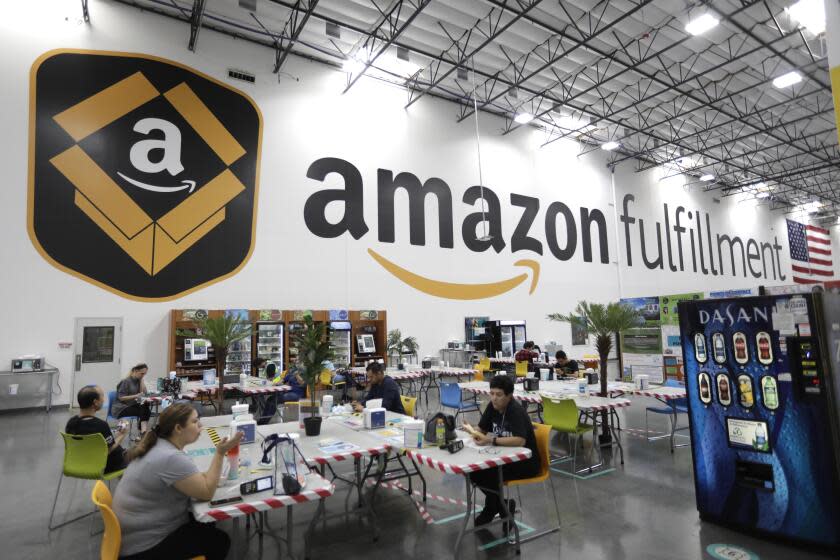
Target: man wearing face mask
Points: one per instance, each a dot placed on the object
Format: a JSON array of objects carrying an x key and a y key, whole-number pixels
[{"x": 506, "y": 424}]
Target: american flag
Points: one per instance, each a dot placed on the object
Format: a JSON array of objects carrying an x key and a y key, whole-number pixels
[{"x": 810, "y": 253}]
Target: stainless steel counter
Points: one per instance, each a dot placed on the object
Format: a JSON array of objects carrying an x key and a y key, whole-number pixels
[{"x": 27, "y": 390}]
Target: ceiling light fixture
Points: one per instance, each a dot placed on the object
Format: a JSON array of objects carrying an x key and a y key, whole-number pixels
[
  {"x": 810, "y": 14},
  {"x": 810, "y": 207},
  {"x": 707, "y": 177},
  {"x": 700, "y": 25},
  {"x": 788, "y": 79},
  {"x": 523, "y": 118},
  {"x": 572, "y": 123},
  {"x": 353, "y": 66},
  {"x": 610, "y": 146}
]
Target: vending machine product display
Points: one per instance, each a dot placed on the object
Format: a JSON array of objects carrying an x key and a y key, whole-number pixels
[
  {"x": 340, "y": 342},
  {"x": 765, "y": 412},
  {"x": 270, "y": 343}
]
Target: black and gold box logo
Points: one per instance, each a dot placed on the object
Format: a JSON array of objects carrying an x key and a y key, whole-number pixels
[{"x": 142, "y": 172}]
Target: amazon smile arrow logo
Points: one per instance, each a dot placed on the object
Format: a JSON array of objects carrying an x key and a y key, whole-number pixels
[{"x": 451, "y": 290}]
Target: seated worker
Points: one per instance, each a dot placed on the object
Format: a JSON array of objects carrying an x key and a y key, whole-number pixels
[
  {"x": 296, "y": 392},
  {"x": 128, "y": 391},
  {"x": 258, "y": 366},
  {"x": 380, "y": 386},
  {"x": 564, "y": 365},
  {"x": 91, "y": 398},
  {"x": 504, "y": 423},
  {"x": 527, "y": 354},
  {"x": 152, "y": 501},
  {"x": 337, "y": 378}
]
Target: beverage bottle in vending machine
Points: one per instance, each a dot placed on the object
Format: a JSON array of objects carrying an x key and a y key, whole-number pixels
[
  {"x": 760, "y": 441},
  {"x": 700, "y": 348},
  {"x": 769, "y": 392},
  {"x": 765, "y": 349},
  {"x": 719, "y": 348},
  {"x": 723, "y": 390},
  {"x": 746, "y": 391},
  {"x": 705, "y": 393},
  {"x": 739, "y": 341}
]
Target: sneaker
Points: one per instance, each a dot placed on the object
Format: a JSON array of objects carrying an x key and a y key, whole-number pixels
[
  {"x": 484, "y": 517},
  {"x": 512, "y": 510}
]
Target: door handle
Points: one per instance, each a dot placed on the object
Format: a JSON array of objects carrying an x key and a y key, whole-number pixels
[{"x": 78, "y": 362}]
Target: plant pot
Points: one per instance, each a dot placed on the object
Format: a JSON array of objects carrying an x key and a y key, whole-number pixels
[{"x": 312, "y": 425}]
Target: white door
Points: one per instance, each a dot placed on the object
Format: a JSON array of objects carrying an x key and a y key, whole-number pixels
[{"x": 97, "y": 360}]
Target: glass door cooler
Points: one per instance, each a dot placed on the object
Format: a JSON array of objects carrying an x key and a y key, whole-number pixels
[
  {"x": 270, "y": 343},
  {"x": 340, "y": 343}
]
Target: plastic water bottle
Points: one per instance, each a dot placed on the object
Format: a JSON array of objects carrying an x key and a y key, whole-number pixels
[
  {"x": 243, "y": 380},
  {"x": 233, "y": 462}
]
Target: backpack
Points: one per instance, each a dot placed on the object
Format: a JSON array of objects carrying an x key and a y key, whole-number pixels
[{"x": 430, "y": 434}]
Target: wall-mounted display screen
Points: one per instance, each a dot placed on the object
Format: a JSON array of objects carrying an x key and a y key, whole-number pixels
[
  {"x": 365, "y": 343},
  {"x": 747, "y": 434}
]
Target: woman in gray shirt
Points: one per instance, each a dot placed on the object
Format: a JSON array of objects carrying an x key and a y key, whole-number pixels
[{"x": 152, "y": 500}]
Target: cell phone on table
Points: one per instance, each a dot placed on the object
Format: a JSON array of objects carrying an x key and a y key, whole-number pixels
[
  {"x": 222, "y": 501},
  {"x": 257, "y": 485}
]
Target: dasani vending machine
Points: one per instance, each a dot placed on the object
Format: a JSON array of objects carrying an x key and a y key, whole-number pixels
[{"x": 762, "y": 383}]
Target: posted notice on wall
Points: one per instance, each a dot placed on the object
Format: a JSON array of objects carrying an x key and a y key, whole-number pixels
[{"x": 647, "y": 364}]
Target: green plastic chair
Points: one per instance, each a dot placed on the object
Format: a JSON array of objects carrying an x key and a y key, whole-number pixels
[
  {"x": 84, "y": 457},
  {"x": 563, "y": 415}
]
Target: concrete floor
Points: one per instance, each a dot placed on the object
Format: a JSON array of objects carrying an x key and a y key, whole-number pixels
[{"x": 643, "y": 510}]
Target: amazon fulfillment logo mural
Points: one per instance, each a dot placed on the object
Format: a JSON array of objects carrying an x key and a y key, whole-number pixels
[
  {"x": 143, "y": 173},
  {"x": 689, "y": 243}
]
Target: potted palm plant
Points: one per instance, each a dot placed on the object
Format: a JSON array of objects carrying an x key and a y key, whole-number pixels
[
  {"x": 602, "y": 321},
  {"x": 313, "y": 350},
  {"x": 222, "y": 332},
  {"x": 399, "y": 346}
]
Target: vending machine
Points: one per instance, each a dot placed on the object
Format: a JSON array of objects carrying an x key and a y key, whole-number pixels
[
  {"x": 763, "y": 385},
  {"x": 505, "y": 337},
  {"x": 340, "y": 342}
]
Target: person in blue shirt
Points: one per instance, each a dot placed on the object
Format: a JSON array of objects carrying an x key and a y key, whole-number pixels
[
  {"x": 296, "y": 392},
  {"x": 380, "y": 386}
]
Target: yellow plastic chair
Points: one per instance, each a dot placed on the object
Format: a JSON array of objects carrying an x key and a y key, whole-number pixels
[
  {"x": 484, "y": 364},
  {"x": 85, "y": 457},
  {"x": 408, "y": 404},
  {"x": 112, "y": 536},
  {"x": 521, "y": 369},
  {"x": 543, "y": 435}
]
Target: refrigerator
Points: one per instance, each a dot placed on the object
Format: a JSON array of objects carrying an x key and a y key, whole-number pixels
[
  {"x": 506, "y": 337},
  {"x": 475, "y": 331},
  {"x": 762, "y": 387},
  {"x": 340, "y": 343},
  {"x": 270, "y": 343},
  {"x": 239, "y": 357}
]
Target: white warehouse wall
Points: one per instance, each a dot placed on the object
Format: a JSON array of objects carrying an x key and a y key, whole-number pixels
[{"x": 292, "y": 268}]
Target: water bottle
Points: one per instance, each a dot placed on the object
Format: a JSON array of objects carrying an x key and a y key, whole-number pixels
[
  {"x": 233, "y": 462},
  {"x": 440, "y": 432},
  {"x": 243, "y": 380}
]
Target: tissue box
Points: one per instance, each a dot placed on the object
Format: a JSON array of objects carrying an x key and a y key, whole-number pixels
[
  {"x": 413, "y": 434},
  {"x": 248, "y": 427},
  {"x": 374, "y": 418}
]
